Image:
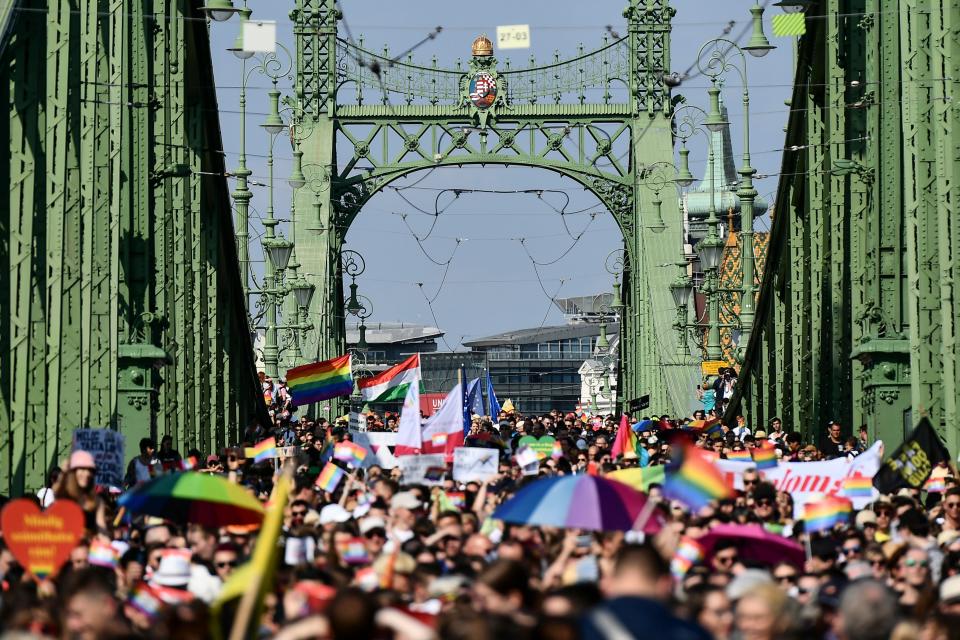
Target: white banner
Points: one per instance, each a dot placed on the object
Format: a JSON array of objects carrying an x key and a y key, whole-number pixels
[
  {"x": 415, "y": 468},
  {"x": 378, "y": 443},
  {"x": 474, "y": 463},
  {"x": 806, "y": 480}
]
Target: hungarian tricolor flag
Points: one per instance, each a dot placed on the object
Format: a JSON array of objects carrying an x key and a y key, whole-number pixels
[{"x": 393, "y": 383}]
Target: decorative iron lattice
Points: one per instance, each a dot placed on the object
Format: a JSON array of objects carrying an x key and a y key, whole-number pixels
[{"x": 600, "y": 76}]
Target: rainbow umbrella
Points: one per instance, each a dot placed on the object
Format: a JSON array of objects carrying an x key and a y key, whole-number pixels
[
  {"x": 197, "y": 498},
  {"x": 579, "y": 502}
]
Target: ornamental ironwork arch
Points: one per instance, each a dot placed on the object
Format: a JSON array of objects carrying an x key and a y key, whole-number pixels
[{"x": 363, "y": 119}]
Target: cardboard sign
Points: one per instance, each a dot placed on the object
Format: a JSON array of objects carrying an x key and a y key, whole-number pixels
[
  {"x": 379, "y": 444},
  {"x": 527, "y": 457},
  {"x": 474, "y": 463},
  {"x": 415, "y": 468},
  {"x": 106, "y": 447},
  {"x": 542, "y": 447},
  {"x": 41, "y": 541}
]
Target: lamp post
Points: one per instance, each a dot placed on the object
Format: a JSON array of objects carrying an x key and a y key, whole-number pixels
[
  {"x": 278, "y": 283},
  {"x": 710, "y": 248},
  {"x": 714, "y": 59},
  {"x": 356, "y": 305}
]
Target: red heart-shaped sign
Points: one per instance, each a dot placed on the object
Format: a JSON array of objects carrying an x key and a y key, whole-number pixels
[{"x": 41, "y": 541}]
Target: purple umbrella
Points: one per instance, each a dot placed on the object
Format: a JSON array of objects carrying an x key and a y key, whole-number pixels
[
  {"x": 757, "y": 544},
  {"x": 579, "y": 502}
]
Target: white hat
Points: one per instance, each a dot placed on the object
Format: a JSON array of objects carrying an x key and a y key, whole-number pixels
[
  {"x": 371, "y": 523},
  {"x": 174, "y": 571},
  {"x": 333, "y": 513},
  {"x": 405, "y": 500},
  {"x": 950, "y": 590}
]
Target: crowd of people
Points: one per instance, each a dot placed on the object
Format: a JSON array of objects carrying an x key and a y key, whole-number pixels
[{"x": 380, "y": 557}]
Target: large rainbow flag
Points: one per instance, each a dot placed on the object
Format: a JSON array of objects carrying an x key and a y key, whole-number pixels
[
  {"x": 320, "y": 381},
  {"x": 693, "y": 479}
]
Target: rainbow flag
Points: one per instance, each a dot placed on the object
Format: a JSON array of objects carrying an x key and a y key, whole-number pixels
[
  {"x": 189, "y": 464},
  {"x": 740, "y": 456},
  {"x": 626, "y": 440},
  {"x": 349, "y": 452},
  {"x": 102, "y": 554},
  {"x": 693, "y": 480},
  {"x": 557, "y": 452},
  {"x": 857, "y": 487},
  {"x": 709, "y": 426},
  {"x": 145, "y": 600},
  {"x": 689, "y": 552},
  {"x": 320, "y": 381},
  {"x": 935, "y": 485},
  {"x": 458, "y": 499},
  {"x": 439, "y": 439},
  {"x": 353, "y": 552},
  {"x": 765, "y": 457},
  {"x": 265, "y": 450},
  {"x": 329, "y": 478},
  {"x": 824, "y": 515}
]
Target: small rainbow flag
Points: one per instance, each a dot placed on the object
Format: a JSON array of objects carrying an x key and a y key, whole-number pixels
[
  {"x": 626, "y": 441},
  {"x": 439, "y": 439},
  {"x": 457, "y": 498},
  {"x": 935, "y": 485},
  {"x": 765, "y": 457},
  {"x": 857, "y": 487},
  {"x": 824, "y": 515},
  {"x": 693, "y": 479},
  {"x": 189, "y": 464},
  {"x": 144, "y": 600},
  {"x": 264, "y": 450},
  {"x": 741, "y": 455},
  {"x": 350, "y": 452},
  {"x": 102, "y": 554},
  {"x": 320, "y": 381},
  {"x": 709, "y": 426},
  {"x": 689, "y": 552},
  {"x": 329, "y": 478},
  {"x": 557, "y": 452},
  {"x": 353, "y": 552}
]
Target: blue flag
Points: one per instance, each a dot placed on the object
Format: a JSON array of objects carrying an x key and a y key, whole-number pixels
[
  {"x": 494, "y": 405},
  {"x": 474, "y": 402}
]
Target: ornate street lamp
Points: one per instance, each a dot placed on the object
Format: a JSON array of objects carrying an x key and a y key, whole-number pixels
[
  {"x": 792, "y": 6},
  {"x": 219, "y": 10},
  {"x": 237, "y": 47},
  {"x": 758, "y": 46}
]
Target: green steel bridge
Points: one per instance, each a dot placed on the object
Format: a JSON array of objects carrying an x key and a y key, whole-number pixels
[{"x": 123, "y": 287}]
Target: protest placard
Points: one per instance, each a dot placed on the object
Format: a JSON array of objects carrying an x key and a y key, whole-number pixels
[
  {"x": 106, "y": 447},
  {"x": 474, "y": 463},
  {"x": 415, "y": 468}
]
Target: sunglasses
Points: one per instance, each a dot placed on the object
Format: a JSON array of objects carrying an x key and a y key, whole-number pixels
[
  {"x": 878, "y": 563},
  {"x": 725, "y": 559},
  {"x": 764, "y": 502},
  {"x": 228, "y": 563},
  {"x": 299, "y": 514},
  {"x": 910, "y": 562},
  {"x": 749, "y": 482},
  {"x": 375, "y": 533},
  {"x": 951, "y": 505},
  {"x": 790, "y": 577},
  {"x": 855, "y": 549}
]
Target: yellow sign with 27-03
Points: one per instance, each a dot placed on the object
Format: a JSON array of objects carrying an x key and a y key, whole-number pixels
[{"x": 513, "y": 36}]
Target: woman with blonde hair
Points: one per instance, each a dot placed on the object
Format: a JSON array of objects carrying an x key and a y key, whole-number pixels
[{"x": 762, "y": 613}]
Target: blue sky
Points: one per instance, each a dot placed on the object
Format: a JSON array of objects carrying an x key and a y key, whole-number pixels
[{"x": 491, "y": 284}]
